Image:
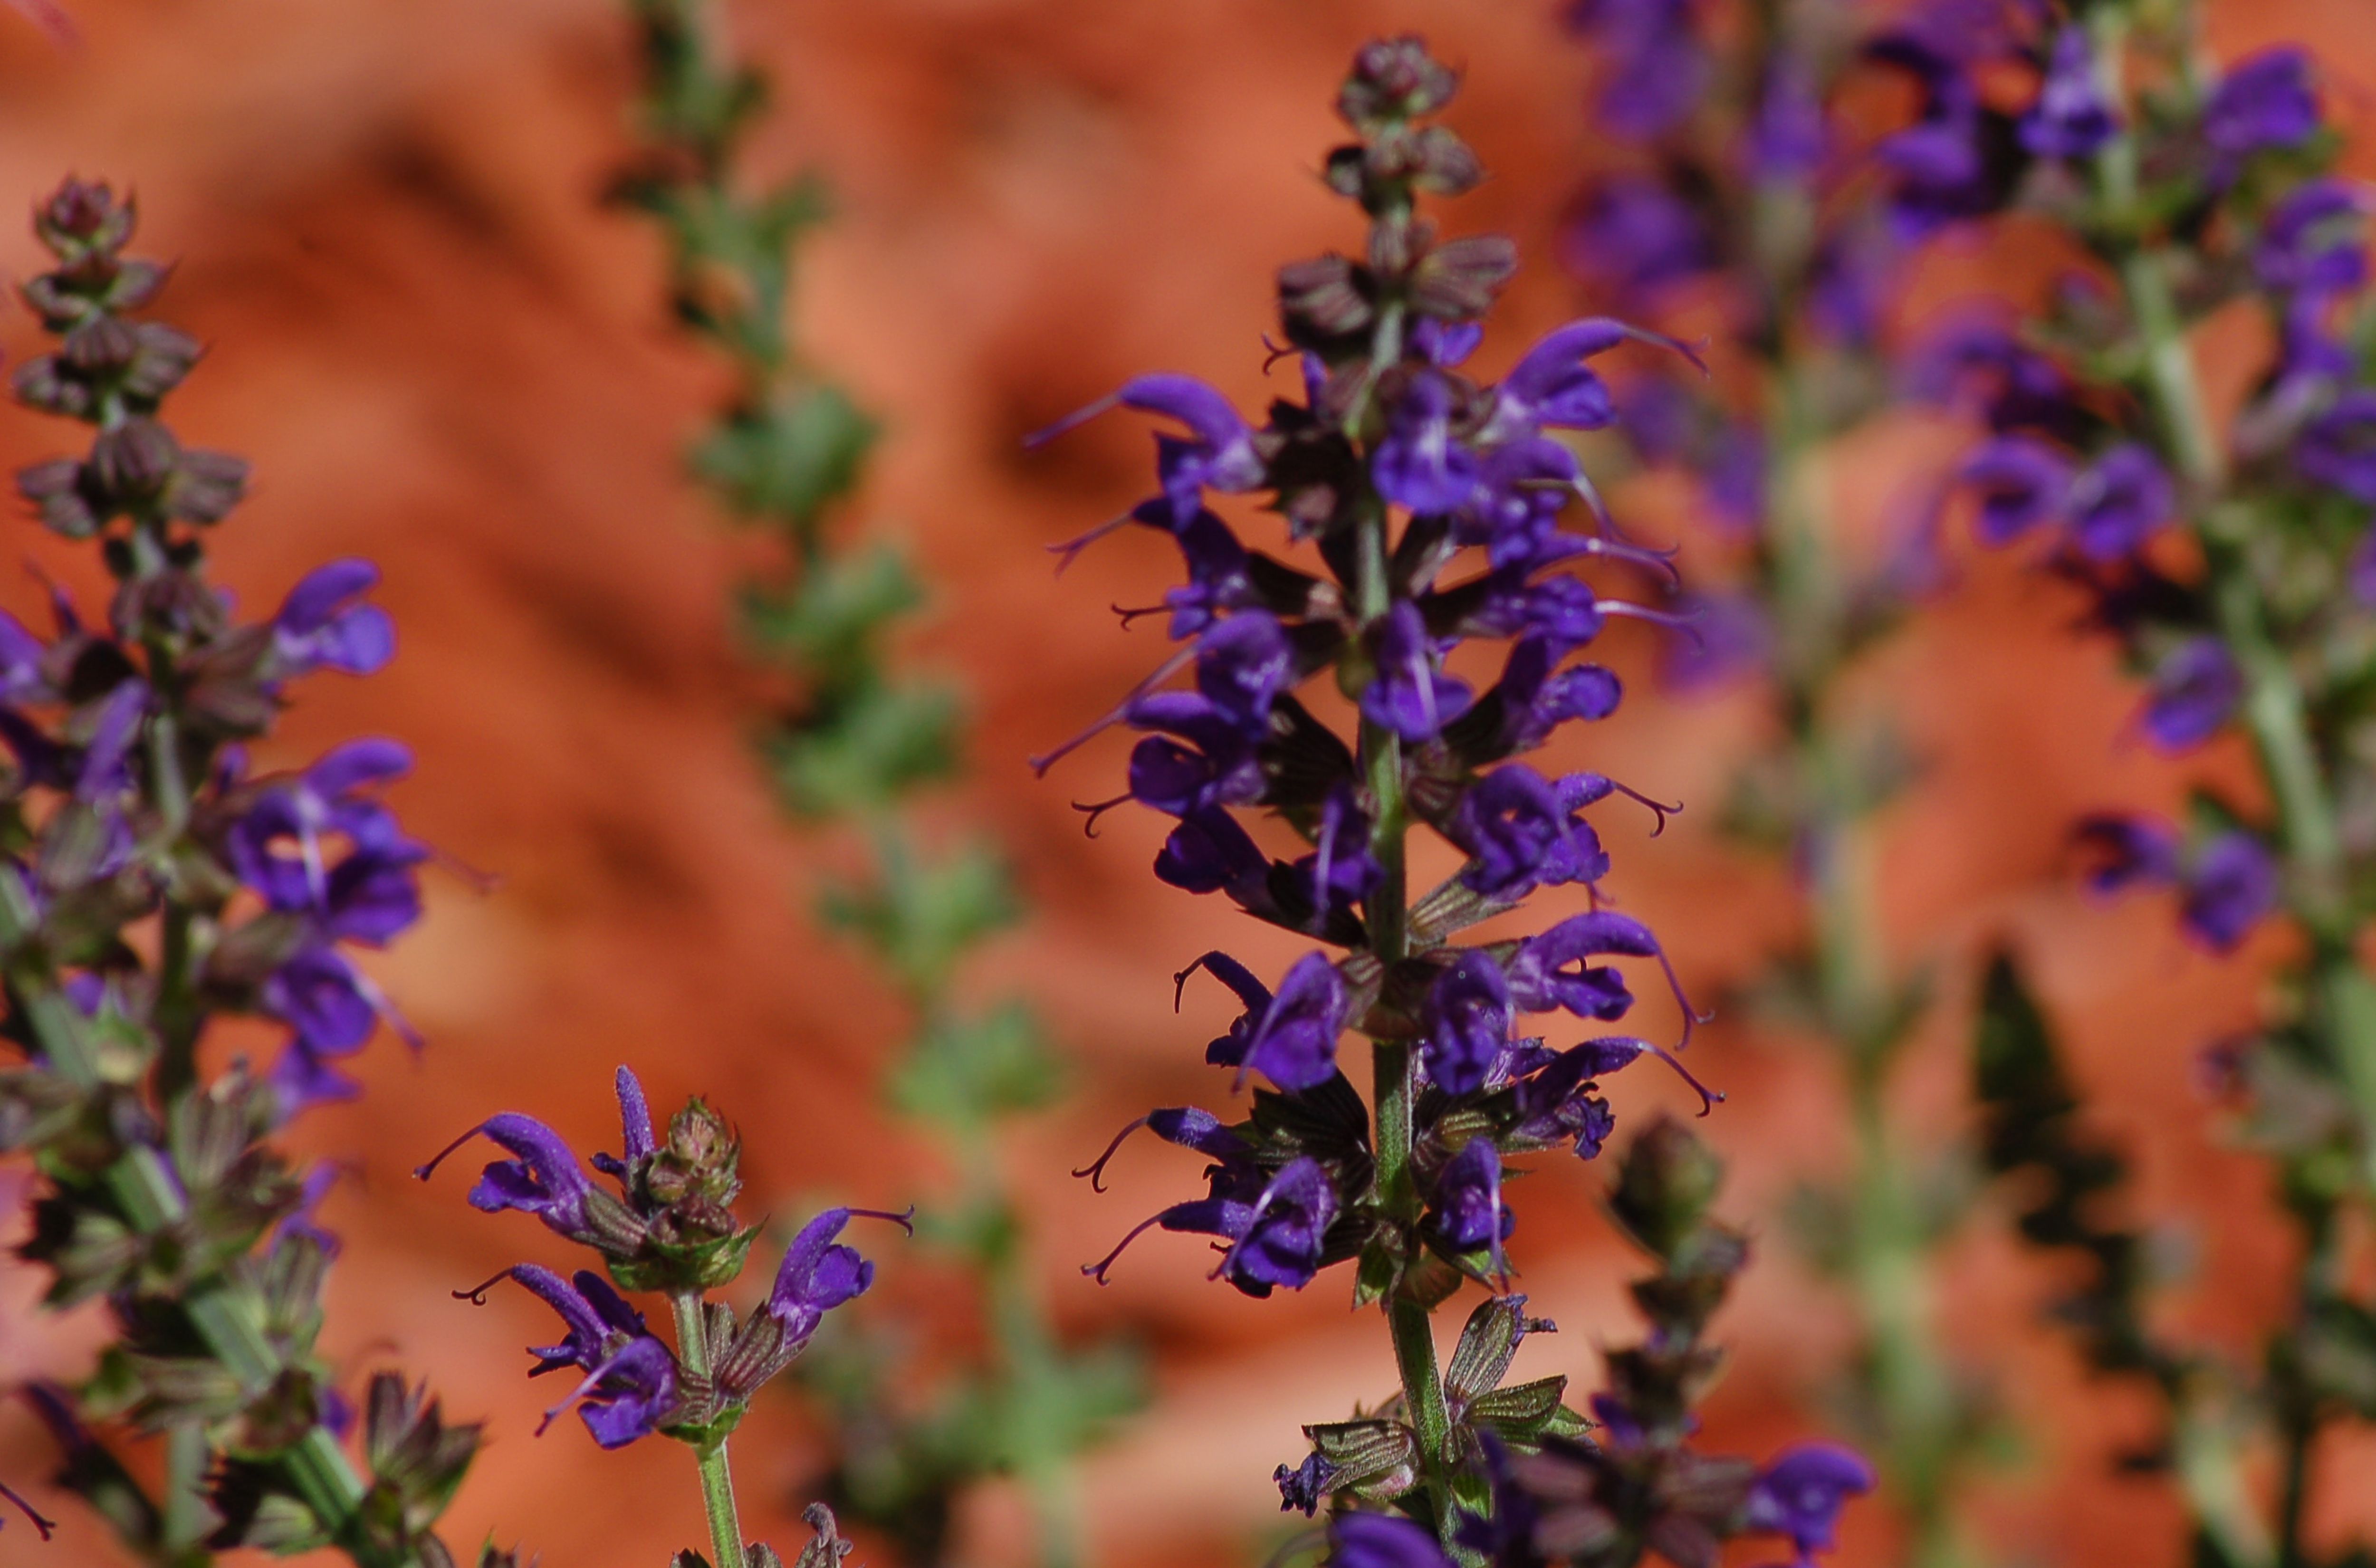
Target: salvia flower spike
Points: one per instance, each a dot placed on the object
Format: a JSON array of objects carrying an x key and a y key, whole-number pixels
[
  {"x": 1435, "y": 501},
  {"x": 166, "y": 886}
]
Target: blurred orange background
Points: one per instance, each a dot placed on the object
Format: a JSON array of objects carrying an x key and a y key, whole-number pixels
[{"x": 441, "y": 353}]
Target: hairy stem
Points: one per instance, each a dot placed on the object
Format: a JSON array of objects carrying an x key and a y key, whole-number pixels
[{"x": 717, "y": 1474}]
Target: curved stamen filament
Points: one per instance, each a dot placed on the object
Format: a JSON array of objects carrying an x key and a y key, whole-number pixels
[
  {"x": 422, "y": 1172},
  {"x": 1096, "y": 809},
  {"x": 1067, "y": 550},
  {"x": 1096, "y": 1170},
  {"x": 477, "y": 1295},
  {"x": 44, "y": 1528},
  {"x": 1164, "y": 672},
  {"x": 1096, "y": 1270},
  {"x": 905, "y": 1218}
]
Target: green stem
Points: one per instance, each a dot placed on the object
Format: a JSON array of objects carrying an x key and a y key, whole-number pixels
[
  {"x": 2209, "y": 1464},
  {"x": 229, "y": 1317},
  {"x": 717, "y": 1474},
  {"x": 1394, "y": 1067}
]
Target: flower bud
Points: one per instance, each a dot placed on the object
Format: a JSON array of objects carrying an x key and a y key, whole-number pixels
[
  {"x": 134, "y": 460},
  {"x": 81, "y": 215},
  {"x": 699, "y": 1162},
  {"x": 1665, "y": 1185},
  {"x": 1395, "y": 79}
]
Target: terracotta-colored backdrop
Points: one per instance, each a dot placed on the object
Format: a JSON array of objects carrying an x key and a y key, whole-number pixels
[{"x": 439, "y": 352}]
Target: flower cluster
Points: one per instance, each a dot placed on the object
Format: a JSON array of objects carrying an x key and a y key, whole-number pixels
[
  {"x": 154, "y": 882},
  {"x": 1768, "y": 208},
  {"x": 1432, "y": 502},
  {"x": 668, "y": 1228},
  {"x": 2227, "y": 556},
  {"x": 2096, "y": 471}
]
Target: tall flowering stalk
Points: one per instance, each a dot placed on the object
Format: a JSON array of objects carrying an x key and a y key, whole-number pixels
[
  {"x": 1433, "y": 505},
  {"x": 152, "y": 884},
  {"x": 854, "y": 743},
  {"x": 1739, "y": 191},
  {"x": 2186, "y": 190}
]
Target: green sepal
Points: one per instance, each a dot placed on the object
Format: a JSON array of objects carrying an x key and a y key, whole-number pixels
[
  {"x": 1521, "y": 1412},
  {"x": 1375, "y": 1459},
  {"x": 708, "y": 1434},
  {"x": 1380, "y": 1266},
  {"x": 674, "y": 1268}
]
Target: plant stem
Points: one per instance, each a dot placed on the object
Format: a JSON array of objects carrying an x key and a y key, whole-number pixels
[
  {"x": 717, "y": 1474},
  {"x": 228, "y": 1317},
  {"x": 2209, "y": 1466},
  {"x": 1394, "y": 1067}
]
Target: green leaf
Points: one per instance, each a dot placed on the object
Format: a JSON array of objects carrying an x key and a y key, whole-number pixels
[
  {"x": 865, "y": 749},
  {"x": 832, "y": 618},
  {"x": 921, "y": 917},
  {"x": 791, "y": 458},
  {"x": 967, "y": 1071}
]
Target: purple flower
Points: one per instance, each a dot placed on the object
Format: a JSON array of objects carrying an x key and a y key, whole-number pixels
[
  {"x": 1219, "y": 580},
  {"x": 1418, "y": 466},
  {"x": 1541, "y": 980},
  {"x": 2117, "y": 505},
  {"x": 2230, "y": 884},
  {"x": 1444, "y": 343},
  {"x": 2226, "y": 884},
  {"x": 2268, "y": 101},
  {"x": 2310, "y": 243},
  {"x": 1467, "y": 1022},
  {"x": 1304, "y": 1486},
  {"x": 1282, "y": 1240},
  {"x": 1974, "y": 361},
  {"x": 1410, "y": 696},
  {"x": 819, "y": 1274},
  {"x": 1552, "y": 387},
  {"x": 1801, "y": 1495},
  {"x": 1656, "y": 71},
  {"x": 630, "y": 1386},
  {"x": 1294, "y": 1042},
  {"x": 1183, "y": 1124},
  {"x": 2125, "y": 851},
  {"x": 1535, "y": 701},
  {"x": 324, "y": 625},
  {"x": 2022, "y": 482},
  {"x": 2196, "y": 688},
  {"x": 2338, "y": 449},
  {"x": 1382, "y": 1540},
  {"x": 542, "y": 1179},
  {"x": 1633, "y": 236},
  {"x": 1219, "y": 453},
  {"x": 1340, "y": 871},
  {"x": 1520, "y": 835},
  {"x": 1466, "y": 1208},
  {"x": 1941, "y": 171},
  {"x": 1242, "y": 664},
  {"x": 2071, "y": 119},
  {"x": 1208, "y": 852}
]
